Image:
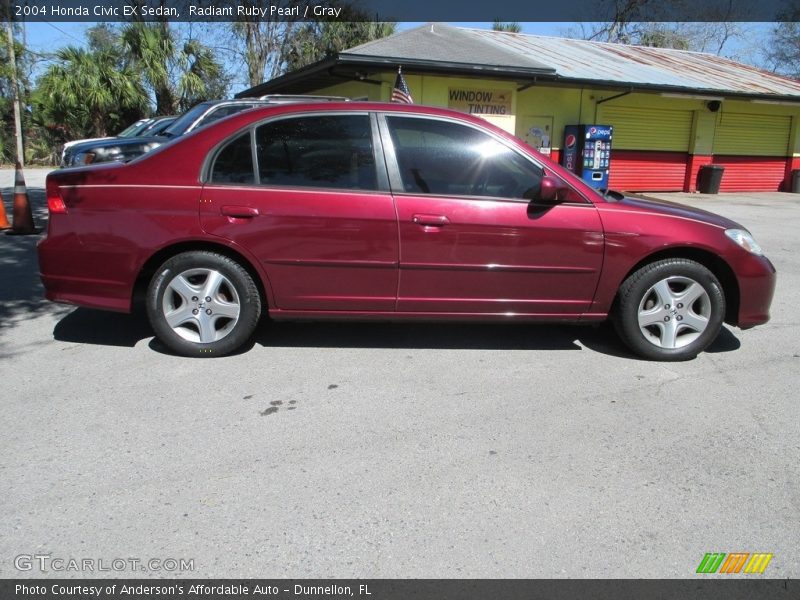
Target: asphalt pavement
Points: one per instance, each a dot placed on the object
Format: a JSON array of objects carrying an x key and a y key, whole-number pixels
[{"x": 396, "y": 450}]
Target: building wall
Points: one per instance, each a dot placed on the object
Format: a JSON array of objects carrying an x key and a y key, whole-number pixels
[{"x": 660, "y": 142}]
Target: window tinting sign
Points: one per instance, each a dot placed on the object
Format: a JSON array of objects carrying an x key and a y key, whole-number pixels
[{"x": 480, "y": 102}]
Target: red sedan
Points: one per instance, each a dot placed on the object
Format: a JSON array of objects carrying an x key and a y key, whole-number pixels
[{"x": 381, "y": 211}]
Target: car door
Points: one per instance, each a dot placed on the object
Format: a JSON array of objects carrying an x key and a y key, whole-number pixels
[
  {"x": 473, "y": 238},
  {"x": 305, "y": 195}
]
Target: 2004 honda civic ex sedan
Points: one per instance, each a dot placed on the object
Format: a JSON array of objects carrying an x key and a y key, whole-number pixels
[{"x": 384, "y": 211}]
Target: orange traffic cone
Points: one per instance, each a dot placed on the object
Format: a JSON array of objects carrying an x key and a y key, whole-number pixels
[
  {"x": 4, "y": 224},
  {"x": 23, "y": 217}
]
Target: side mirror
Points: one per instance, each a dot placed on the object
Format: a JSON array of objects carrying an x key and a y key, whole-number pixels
[{"x": 550, "y": 190}]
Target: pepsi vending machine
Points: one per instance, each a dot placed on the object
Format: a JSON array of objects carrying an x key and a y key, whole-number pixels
[{"x": 587, "y": 152}]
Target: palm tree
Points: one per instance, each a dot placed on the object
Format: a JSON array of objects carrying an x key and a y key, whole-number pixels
[
  {"x": 177, "y": 76},
  {"x": 89, "y": 93}
]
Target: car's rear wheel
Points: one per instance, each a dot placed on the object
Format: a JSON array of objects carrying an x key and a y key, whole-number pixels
[
  {"x": 670, "y": 310},
  {"x": 203, "y": 304}
]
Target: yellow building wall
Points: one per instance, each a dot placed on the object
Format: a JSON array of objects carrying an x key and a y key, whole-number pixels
[{"x": 540, "y": 106}]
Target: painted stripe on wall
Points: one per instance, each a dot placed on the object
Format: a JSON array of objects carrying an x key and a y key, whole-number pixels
[
  {"x": 633, "y": 171},
  {"x": 752, "y": 173}
]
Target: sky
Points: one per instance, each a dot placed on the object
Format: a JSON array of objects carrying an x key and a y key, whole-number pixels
[{"x": 45, "y": 37}]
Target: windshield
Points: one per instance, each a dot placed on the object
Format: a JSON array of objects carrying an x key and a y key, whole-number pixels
[
  {"x": 160, "y": 126},
  {"x": 132, "y": 130},
  {"x": 181, "y": 124}
]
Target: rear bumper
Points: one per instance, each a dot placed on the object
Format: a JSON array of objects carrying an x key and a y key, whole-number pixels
[
  {"x": 757, "y": 278},
  {"x": 90, "y": 293},
  {"x": 71, "y": 275}
]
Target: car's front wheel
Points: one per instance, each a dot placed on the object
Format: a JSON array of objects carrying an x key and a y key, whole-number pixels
[
  {"x": 203, "y": 304},
  {"x": 670, "y": 310}
]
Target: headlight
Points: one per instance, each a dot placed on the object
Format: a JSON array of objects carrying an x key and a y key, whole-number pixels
[{"x": 745, "y": 240}]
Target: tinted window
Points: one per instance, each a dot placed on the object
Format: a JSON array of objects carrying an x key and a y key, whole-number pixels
[
  {"x": 234, "y": 163},
  {"x": 333, "y": 151},
  {"x": 444, "y": 158}
]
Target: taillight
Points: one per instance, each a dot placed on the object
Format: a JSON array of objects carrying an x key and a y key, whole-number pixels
[{"x": 55, "y": 203}]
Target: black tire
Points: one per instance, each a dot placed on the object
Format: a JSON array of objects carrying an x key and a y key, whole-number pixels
[
  {"x": 670, "y": 330},
  {"x": 179, "y": 291}
]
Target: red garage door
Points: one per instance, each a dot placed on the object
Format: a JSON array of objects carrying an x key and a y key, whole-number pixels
[
  {"x": 634, "y": 171},
  {"x": 751, "y": 173}
]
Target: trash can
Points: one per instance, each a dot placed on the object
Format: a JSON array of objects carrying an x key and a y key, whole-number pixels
[
  {"x": 709, "y": 179},
  {"x": 795, "y": 182}
]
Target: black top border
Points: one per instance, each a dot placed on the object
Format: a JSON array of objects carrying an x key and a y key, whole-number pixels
[{"x": 406, "y": 10}]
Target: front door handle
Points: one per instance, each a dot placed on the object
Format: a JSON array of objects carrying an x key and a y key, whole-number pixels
[
  {"x": 239, "y": 212},
  {"x": 430, "y": 220}
]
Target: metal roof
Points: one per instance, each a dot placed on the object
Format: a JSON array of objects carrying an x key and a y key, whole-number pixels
[
  {"x": 436, "y": 42},
  {"x": 440, "y": 48},
  {"x": 639, "y": 65}
]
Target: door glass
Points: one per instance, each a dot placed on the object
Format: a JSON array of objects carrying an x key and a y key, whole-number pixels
[
  {"x": 234, "y": 163},
  {"x": 331, "y": 151},
  {"x": 444, "y": 158}
]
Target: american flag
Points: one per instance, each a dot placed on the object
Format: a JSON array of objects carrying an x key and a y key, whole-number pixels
[{"x": 400, "y": 92}]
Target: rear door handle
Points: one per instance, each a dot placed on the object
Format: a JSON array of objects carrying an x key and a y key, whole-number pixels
[
  {"x": 430, "y": 220},
  {"x": 239, "y": 212}
]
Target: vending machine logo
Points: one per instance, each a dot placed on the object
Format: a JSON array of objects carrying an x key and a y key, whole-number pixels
[
  {"x": 604, "y": 131},
  {"x": 571, "y": 139}
]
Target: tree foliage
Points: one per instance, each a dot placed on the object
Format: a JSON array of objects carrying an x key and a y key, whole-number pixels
[
  {"x": 712, "y": 37},
  {"x": 783, "y": 49},
  {"x": 647, "y": 23},
  {"x": 177, "y": 75},
  {"x": 511, "y": 27},
  {"x": 88, "y": 92},
  {"x": 269, "y": 48},
  {"x": 313, "y": 41}
]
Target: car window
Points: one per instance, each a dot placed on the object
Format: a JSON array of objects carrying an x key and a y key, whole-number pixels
[
  {"x": 221, "y": 112},
  {"x": 234, "y": 163},
  {"x": 331, "y": 151},
  {"x": 182, "y": 123},
  {"x": 132, "y": 130},
  {"x": 157, "y": 128},
  {"x": 450, "y": 159}
]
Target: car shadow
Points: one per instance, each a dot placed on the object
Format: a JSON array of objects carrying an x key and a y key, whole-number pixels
[
  {"x": 89, "y": 326},
  {"x": 440, "y": 336},
  {"x": 21, "y": 291}
]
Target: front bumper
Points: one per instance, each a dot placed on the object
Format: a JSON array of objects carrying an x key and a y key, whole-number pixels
[{"x": 757, "y": 277}]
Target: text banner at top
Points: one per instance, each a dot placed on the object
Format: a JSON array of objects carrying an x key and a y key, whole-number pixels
[{"x": 408, "y": 10}]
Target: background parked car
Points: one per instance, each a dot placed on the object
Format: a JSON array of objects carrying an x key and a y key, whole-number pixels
[
  {"x": 198, "y": 116},
  {"x": 130, "y": 131},
  {"x": 140, "y": 129}
]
